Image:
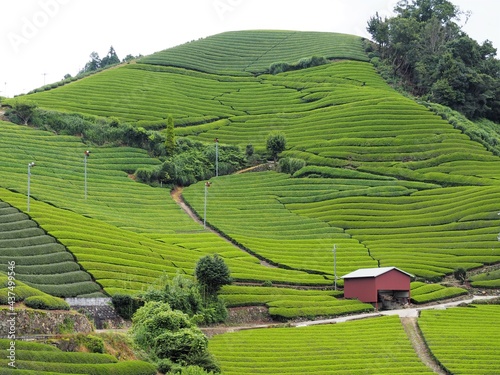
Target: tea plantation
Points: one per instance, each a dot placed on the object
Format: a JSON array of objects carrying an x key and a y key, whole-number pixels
[
  {"x": 464, "y": 340},
  {"x": 348, "y": 348},
  {"x": 384, "y": 179}
]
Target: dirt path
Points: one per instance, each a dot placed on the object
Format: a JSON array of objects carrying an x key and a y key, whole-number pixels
[
  {"x": 176, "y": 195},
  {"x": 417, "y": 341}
]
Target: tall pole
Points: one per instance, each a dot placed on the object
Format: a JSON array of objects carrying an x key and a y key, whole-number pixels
[
  {"x": 86, "y": 155},
  {"x": 216, "y": 157},
  {"x": 335, "y": 266},
  {"x": 32, "y": 164},
  {"x": 207, "y": 185}
]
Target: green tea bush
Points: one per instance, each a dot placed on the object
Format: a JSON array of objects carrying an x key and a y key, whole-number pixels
[
  {"x": 46, "y": 303},
  {"x": 291, "y": 165}
]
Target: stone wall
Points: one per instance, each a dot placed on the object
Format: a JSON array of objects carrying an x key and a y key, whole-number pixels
[{"x": 40, "y": 322}]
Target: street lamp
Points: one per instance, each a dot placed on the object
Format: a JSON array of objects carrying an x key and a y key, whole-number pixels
[
  {"x": 207, "y": 185},
  {"x": 32, "y": 164},
  {"x": 216, "y": 157},
  {"x": 335, "y": 266},
  {"x": 86, "y": 155}
]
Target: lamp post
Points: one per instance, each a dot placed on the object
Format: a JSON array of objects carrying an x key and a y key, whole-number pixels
[
  {"x": 86, "y": 155},
  {"x": 207, "y": 185},
  {"x": 216, "y": 157},
  {"x": 335, "y": 266},
  {"x": 32, "y": 164}
]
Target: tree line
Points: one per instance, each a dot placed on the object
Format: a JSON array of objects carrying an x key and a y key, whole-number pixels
[{"x": 425, "y": 49}]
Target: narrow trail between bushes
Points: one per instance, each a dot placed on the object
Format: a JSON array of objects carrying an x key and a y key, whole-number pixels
[
  {"x": 412, "y": 330},
  {"x": 176, "y": 195}
]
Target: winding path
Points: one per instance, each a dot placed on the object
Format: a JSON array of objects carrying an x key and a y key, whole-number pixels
[{"x": 176, "y": 195}]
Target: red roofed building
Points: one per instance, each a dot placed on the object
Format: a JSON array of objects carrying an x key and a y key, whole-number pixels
[{"x": 375, "y": 285}]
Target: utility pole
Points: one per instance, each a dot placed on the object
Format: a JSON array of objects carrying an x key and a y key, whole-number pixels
[
  {"x": 32, "y": 164},
  {"x": 335, "y": 266},
  {"x": 86, "y": 155},
  {"x": 207, "y": 185},
  {"x": 216, "y": 157}
]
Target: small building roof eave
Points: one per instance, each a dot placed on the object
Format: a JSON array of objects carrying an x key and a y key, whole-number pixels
[{"x": 372, "y": 272}]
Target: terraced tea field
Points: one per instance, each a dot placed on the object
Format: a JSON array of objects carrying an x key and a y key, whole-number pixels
[
  {"x": 125, "y": 234},
  {"x": 37, "y": 259},
  {"x": 38, "y": 359},
  {"x": 249, "y": 52},
  {"x": 348, "y": 348},
  {"x": 387, "y": 181},
  {"x": 464, "y": 340}
]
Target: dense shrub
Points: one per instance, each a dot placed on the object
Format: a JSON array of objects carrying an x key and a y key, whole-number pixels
[
  {"x": 304, "y": 63},
  {"x": 183, "y": 294},
  {"x": 193, "y": 161},
  {"x": 212, "y": 273},
  {"x": 169, "y": 334},
  {"x": 92, "y": 343},
  {"x": 126, "y": 305},
  {"x": 291, "y": 165}
]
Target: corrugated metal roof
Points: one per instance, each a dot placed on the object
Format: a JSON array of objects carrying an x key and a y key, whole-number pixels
[{"x": 372, "y": 272}]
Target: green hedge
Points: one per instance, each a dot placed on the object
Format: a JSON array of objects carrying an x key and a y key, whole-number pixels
[{"x": 46, "y": 303}]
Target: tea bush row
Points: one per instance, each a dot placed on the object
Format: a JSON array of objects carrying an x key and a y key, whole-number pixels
[
  {"x": 463, "y": 339},
  {"x": 328, "y": 349}
]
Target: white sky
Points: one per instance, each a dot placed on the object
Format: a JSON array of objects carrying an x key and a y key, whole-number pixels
[{"x": 42, "y": 40}]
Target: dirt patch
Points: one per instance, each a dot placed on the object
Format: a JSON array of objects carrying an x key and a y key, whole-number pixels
[{"x": 417, "y": 341}]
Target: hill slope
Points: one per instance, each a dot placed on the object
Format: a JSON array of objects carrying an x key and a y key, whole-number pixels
[{"x": 386, "y": 179}]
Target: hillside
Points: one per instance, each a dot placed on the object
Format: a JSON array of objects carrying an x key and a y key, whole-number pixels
[{"x": 386, "y": 180}]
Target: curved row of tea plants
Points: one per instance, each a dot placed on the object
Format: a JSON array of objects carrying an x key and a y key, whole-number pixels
[
  {"x": 37, "y": 359},
  {"x": 29, "y": 254},
  {"x": 244, "y": 52},
  {"x": 14, "y": 291},
  {"x": 465, "y": 340},
  {"x": 490, "y": 279},
  {"x": 285, "y": 303},
  {"x": 247, "y": 208},
  {"x": 424, "y": 293},
  {"x": 105, "y": 239},
  {"x": 347, "y": 348}
]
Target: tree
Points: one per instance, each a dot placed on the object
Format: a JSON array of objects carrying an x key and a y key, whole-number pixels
[
  {"x": 212, "y": 273},
  {"x": 167, "y": 334},
  {"x": 170, "y": 141},
  {"x": 93, "y": 64},
  {"x": 276, "y": 143},
  {"x": 24, "y": 109},
  {"x": 110, "y": 59},
  {"x": 435, "y": 60},
  {"x": 460, "y": 274}
]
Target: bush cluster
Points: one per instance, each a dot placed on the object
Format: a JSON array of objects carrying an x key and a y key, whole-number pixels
[
  {"x": 46, "y": 303},
  {"x": 307, "y": 62},
  {"x": 170, "y": 338},
  {"x": 193, "y": 161}
]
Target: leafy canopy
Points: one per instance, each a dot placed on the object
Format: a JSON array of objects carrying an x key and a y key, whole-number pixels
[
  {"x": 212, "y": 273},
  {"x": 426, "y": 48}
]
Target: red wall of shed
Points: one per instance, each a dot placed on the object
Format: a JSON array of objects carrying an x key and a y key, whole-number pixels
[
  {"x": 363, "y": 289},
  {"x": 393, "y": 280}
]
